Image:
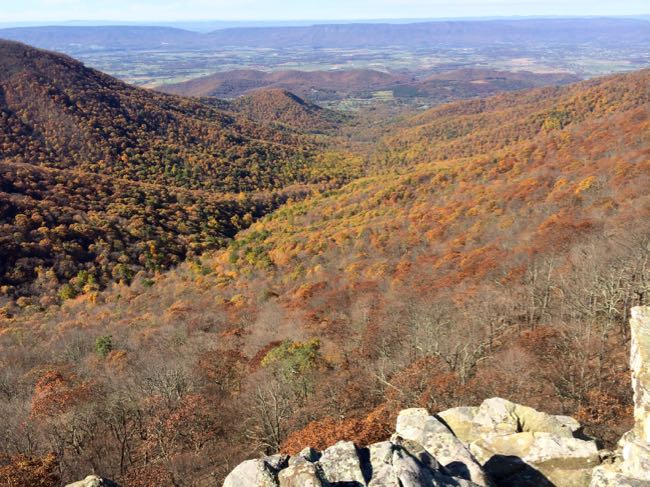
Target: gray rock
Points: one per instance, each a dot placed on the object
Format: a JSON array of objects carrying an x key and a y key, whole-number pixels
[
  {"x": 340, "y": 463},
  {"x": 610, "y": 476},
  {"x": 252, "y": 473},
  {"x": 640, "y": 365},
  {"x": 277, "y": 462},
  {"x": 404, "y": 463},
  {"x": 636, "y": 459},
  {"x": 438, "y": 440},
  {"x": 498, "y": 415},
  {"x": 300, "y": 475},
  {"x": 461, "y": 421},
  {"x": 381, "y": 464},
  {"x": 409, "y": 471},
  {"x": 566, "y": 462},
  {"x": 93, "y": 481},
  {"x": 310, "y": 454}
]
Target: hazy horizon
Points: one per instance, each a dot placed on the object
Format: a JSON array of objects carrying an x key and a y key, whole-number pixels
[
  {"x": 288, "y": 11},
  {"x": 206, "y": 25}
]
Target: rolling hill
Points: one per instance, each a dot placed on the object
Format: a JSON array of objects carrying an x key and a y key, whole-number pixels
[
  {"x": 275, "y": 105},
  {"x": 309, "y": 84},
  {"x": 494, "y": 248},
  {"x": 339, "y": 85},
  {"x": 99, "y": 179}
]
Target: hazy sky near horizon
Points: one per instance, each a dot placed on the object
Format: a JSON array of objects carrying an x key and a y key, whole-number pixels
[{"x": 182, "y": 10}]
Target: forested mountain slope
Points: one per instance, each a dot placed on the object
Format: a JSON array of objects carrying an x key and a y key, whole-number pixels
[
  {"x": 99, "y": 180},
  {"x": 273, "y": 105},
  {"x": 56, "y": 112},
  {"x": 483, "y": 125},
  {"x": 498, "y": 256}
]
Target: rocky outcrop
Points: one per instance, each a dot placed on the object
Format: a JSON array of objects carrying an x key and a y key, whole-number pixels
[
  {"x": 93, "y": 481},
  {"x": 632, "y": 465},
  {"x": 397, "y": 462},
  {"x": 440, "y": 442},
  {"x": 260, "y": 472},
  {"x": 517, "y": 445},
  {"x": 497, "y": 444}
]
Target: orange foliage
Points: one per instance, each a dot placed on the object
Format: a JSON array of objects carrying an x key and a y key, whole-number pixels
[
  {"x": 21, "y": 471},
  {"x": 55, "y": 393},
  {"x": 374, "y": 427},
  {"x": 149, "y": 475},
  {"x": 603, "y": 408}
]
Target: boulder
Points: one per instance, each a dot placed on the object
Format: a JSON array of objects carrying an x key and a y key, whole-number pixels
[
  {"x": 303, "y": 474},
  {"x": 460, "y": 420},
  {"x": 518, "y": 445},
  {"x": 565, "y": 462},
  {"x": 498, "y": 415},
  {"x": 381, "y": 465},
  {"x": 252, "y": 473},
  {"x": 438, "y": 440},
  {"x": 340, "y": 463},
  {"x": 636, "y": 446},
  {"x": 310, "y": 454},
  {"x": 408, "y": 470},
  {"x": 93, "y": 481},
  {"x": 404, "y": 463},
  {"x": 611, "y": 476}
]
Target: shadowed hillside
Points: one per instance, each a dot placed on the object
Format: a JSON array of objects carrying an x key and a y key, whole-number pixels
[
  {"x": 60, "y": 114},
  {"x": 100, "y": 180}
]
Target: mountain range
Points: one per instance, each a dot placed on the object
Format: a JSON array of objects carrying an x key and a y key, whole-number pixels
[{"x": 475, "y": 33}]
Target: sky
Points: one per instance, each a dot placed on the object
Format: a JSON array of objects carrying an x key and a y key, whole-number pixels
[{"x": 183, "y": 10}]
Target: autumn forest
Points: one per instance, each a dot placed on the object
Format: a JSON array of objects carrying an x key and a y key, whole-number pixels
[{"x": 187, "y": 282}]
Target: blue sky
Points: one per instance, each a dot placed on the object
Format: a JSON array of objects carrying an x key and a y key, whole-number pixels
[{"x": 164, "y": 10}]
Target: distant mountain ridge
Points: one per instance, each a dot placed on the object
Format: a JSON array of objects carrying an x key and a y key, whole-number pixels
[
  {"x": 467, "y": 33},
  {"x": 76, "y": 38},
  {"x": 476, "y": 33}
]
